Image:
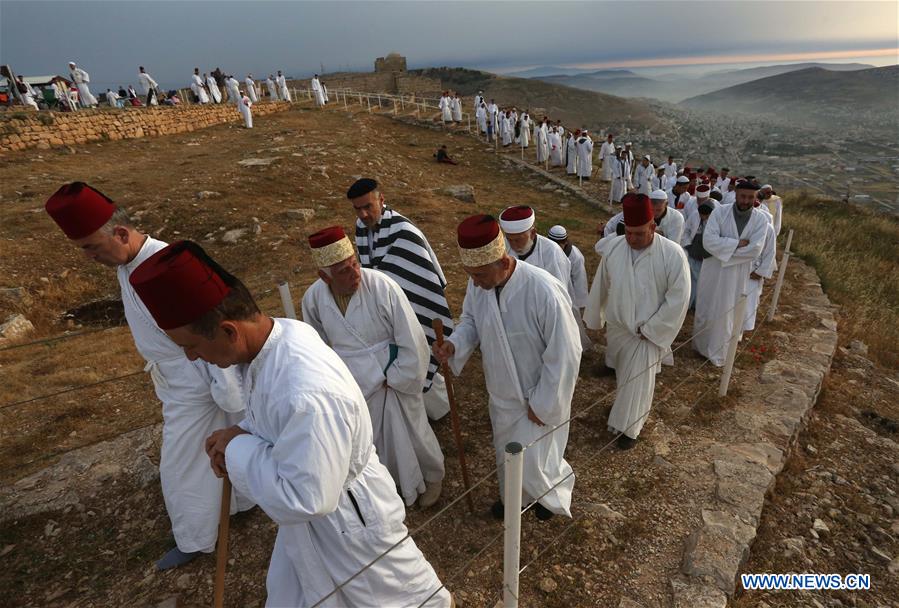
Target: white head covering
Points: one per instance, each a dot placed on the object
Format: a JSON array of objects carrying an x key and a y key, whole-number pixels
[
  {"x": 766, "y": 187},
  {"x": 658, "y": 195},
  {"x": 558, "y": 233},
  {"x": 683, "y": 179},
  {"x": 516, "y": 226}
]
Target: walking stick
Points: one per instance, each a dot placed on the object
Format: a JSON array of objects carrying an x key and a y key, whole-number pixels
[
  {"x": 437, "y": 324},
  {"x": 221, "y": 551}
]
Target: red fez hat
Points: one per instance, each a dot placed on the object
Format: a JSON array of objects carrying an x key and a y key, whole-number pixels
[
  {"x": 178, "y": 285},
  {"x": 637, "y": 209},
  {"x": 480, "y": 241},
  {"x": 477, "y": 231},
  {"x": 79, "y": 209},
  {"x": 517, "y": 219},
  {"x": 330, "y": 246}
]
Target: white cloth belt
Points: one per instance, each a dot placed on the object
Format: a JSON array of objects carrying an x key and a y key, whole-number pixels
[
  {"x": 155, "y": 373},
  {"x": 356, "y": 352}
]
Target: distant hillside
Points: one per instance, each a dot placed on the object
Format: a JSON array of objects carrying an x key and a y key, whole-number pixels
[
  {"x": 572, "y": 106},
  {"x": 813, "y": 97},
  {"x": 547, "y": 70},
  {"x": 628, "y": 84}
]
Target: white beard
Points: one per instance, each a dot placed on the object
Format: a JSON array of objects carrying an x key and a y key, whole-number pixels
[{"x": 526, "y": 248}]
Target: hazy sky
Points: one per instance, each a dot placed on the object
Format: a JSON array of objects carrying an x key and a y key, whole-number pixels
[{"x": 110, "y": 39}]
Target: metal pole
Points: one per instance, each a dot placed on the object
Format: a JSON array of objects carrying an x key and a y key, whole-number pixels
[
  {"x": 513, "y": 468},
  {"x": 286, "y": 301},
  {"x": 736, "y": 332},
  {"x": 345, "y": 107},
  {"x": 368, "y": 100}
]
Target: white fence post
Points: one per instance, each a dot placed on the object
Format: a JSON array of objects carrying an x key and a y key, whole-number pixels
[
  {"x": 345, "y": 107},
  {"x": 782, "y": 272},
  {"x": 513, "y": 467},
  {"x": 286, "y": 301},
  {"x": 736, "y": 332}
]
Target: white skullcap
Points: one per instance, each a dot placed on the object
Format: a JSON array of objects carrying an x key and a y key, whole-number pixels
[
  {"x": 658, "y": 195},
  {"x": 558, "y": 233},
  {"x": 683, "y": 179},
  {"x": 628, "y": 143},
  {"x": 766, "y": 187},
  {"x": 647, "y": 157}
]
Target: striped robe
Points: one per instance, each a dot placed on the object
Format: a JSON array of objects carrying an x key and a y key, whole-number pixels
[{"x": 402, "y": 252}]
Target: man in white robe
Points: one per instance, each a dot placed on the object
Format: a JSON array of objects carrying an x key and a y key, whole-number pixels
[
  {"x": 640, "y": 293},
  {"x": 366, "y": 318},
  {"x": 214, "y": 92},
  {"x": 734, "y": 236},
  {"x": 524, "y": 130},
  {"x": 234, "y": 95},
  {"x": 478, "y": 100},
  {"x": 446, "y": 108},
  {"x": 251, "y": 88},
  {"x": 81, "y": 79},
  {"x": 774, "y": 205},
  {"x": 571, "y": 152},
  {"x": 111, "y": 98},
  {"x": 541, "y": 142},
  {"x": 668, "y": 222},
  {"x": 696, "y": 253},
  {"x": 520, "y": 316},
  {"x": 148, "y": 86},
  {"x": 559, "y": 235},
  {"x": 643, "y": 175},
  {"x": 246, "y": 112},
  {"x": 508, "y": 130},
  {"x": 670, "y": 168},
  {"x": 318, "y": 93},
  {"x": 607, "y": 157},
  {"x": 196, "y": 85},
  {"x": 284, "y": 92},
  {"x": 584, "y": 147},
  {"x": 272, "y": 87},
  {"x": 620, "y": 178},
  {"x": 555, "y": 148},
  {"x": 481, "y": 116},
  {"x": 197, "y": 398},
  {"x": 723, "y": 181},
  {"x": 389, "y": 242},
  {"x": 762, "y": 268},
  {"x": 325, "y": 95},
  {"x": 304, "y": 451},
  {"x": 457, "y": 109}
]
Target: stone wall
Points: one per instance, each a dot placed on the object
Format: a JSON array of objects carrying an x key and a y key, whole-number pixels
[{"x": 43, "y": 130}]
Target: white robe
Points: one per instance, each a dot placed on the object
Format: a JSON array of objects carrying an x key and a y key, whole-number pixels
[
  {"x": 670, "y": 171},
  {"x": 764, "y": 266},
  {"x": 197, "y": 399},
  {"x": 571, "y": 150},
  {"x": 81, "y": 80},
  {"x": 325, "y": 93},
  {"x": 310, "y": 464},
  {"x": 607, "y": 154},
  {"x": 457, "y": 109},
  {"x": 196, "y": 86},
  {"x": 317, "y": 92},
  {"x": 774, "y": 205},
  {"x": 380, "y": 321},
  {"x": 620, "y": 180},
  {"x": 555, "y": 147},
  {"x": 272, "y": 89},
  {"x": 446, "y": 109},
  {"x": 233, "y": 90},
  {"x": 578, "y": 277},
  {"x": 481, "y": 116},
  {"x": 146, "y": 83},
  {"x": 508, "y": 131},
  {"x": 112, "y": 99},
  {"x": 650, "y": 293},
  {"x": 584, "y": 156},
  {"x": 723, "y": 278},
  {"x": 525, "y": 131},
  {"x": 542, "y": 140},
  {"x": 531, "y": 356},
  {"x": 284, "y": 92},
  {"x": 214, "y": 90},
  {"x": 251, "y": 89},
  {"x": 643, "y": 178},
  {"x": 245, "y": 111}
]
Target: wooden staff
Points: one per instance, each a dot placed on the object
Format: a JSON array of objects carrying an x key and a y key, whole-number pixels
[
  {"x": 437, "y": 325},
  {"x": 221, "y": 551}
]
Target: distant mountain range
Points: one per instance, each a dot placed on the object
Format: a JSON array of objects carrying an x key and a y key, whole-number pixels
[
  {"x": 814, "y": 97},
  {"x": 673, "y": 87}
]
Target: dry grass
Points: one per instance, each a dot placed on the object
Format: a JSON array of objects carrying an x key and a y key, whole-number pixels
[{"x": 856, "y": 254}]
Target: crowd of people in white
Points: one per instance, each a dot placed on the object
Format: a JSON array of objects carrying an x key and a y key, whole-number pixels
[{"x": 324, "y": 423}]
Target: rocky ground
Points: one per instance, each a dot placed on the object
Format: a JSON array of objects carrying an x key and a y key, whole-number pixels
[{"x": 633, "y": 511}]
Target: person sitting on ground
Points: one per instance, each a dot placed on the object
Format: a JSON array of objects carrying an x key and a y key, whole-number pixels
[{"x": 443, "y": 157}]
